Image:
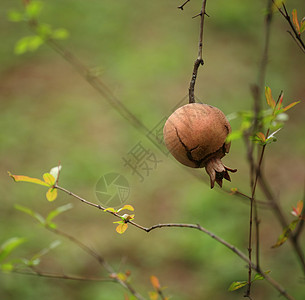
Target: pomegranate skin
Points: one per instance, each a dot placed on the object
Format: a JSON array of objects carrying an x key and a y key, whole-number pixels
[{"x": 195, "y": 134}]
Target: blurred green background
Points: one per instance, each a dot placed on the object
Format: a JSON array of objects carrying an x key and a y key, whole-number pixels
[{"x": 144, "y": 52}]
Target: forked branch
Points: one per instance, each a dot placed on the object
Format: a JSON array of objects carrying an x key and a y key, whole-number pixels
[
  {"x": 234, "y": 249},
  {"x": 294, "y": 34}
]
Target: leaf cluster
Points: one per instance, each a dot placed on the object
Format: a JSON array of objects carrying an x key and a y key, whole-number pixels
[
  {"x": 43, "y": 31},
  {"x": 123, "y": 223},
  {"x": 272, "y": 118}
]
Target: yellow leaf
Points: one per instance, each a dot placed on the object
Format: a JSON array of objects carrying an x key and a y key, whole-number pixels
[
  {"x": 121, "y": 228},
  {"x": 21, "y": 178},
  {"x": 153, "y": 295},
  {"x": 51, "y": 194},
  {"x": 127, "y": 206},
  {"x": 269, "y": 98},
  {"x": 233, "y": 191},
  {"x": 110, "y": 209},
  {"x": 155, "y": 282},
  {"x": 49, "y": 179},
  {"x": 121, "y": 276}
]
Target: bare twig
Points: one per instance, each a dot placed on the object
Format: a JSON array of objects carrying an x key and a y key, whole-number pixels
[
  {"x": 84, "y": 247},
  {"x": 97, "y": 84},
  {"x": 199, "y": 60},
  {"x": 183, "y": 4},
  {"x": 39, "y": 273}
]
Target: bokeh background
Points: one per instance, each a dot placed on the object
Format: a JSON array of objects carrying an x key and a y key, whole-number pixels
[{"x": 144, "y": 52}]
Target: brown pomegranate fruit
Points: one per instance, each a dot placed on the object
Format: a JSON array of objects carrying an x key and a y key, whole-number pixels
[{"x": 195, "y": 134}]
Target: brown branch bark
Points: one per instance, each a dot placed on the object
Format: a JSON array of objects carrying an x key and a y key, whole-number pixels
[
  {"x": 296, "y": 36},
  {"x": 39, "y": 273},
  {"x": 199, "y": 60},
  {"x": 234, "y": 249},
  {"x": 183, "y": 4},
  {"x": 255, "y": 171}
]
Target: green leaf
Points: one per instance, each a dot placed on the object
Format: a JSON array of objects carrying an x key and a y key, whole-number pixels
[
  {"x": 54, "y": 213},
  {"x": 31, "y": 213},
  {"x": 119, "y": 222},
  {"x": 33, "y": 9},
  {"x": 7, "y": 267},
  {"x": 52, "y": 225},
  {"x": 237, "y": 285},
  {"x": 285, "y": 234},
  {"x": 15, "y": 16},
  {"x": 234, "y": 135},
  {"x": 51, "y": 194},
  {"x": 7, "y": 247},
  {"x": 60, "y": 34},
  {"x": 28, "y": 43},
  {"x": 111, "y": 209},
  {"x": 269, "y": 98},
  {"x": 259, "y": 276},
  {"x": 49, "y": 179},
  {"x": 302, "y": 29},
  {"x": 44, "y": 30},
  {"x": 18, "y": 178}
]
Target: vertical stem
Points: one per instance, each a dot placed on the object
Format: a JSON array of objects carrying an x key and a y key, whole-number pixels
[
  {"x": 253, "y": 207},
  {"x": 257, "y": 95},
  {"x": 199, "y": 60}
]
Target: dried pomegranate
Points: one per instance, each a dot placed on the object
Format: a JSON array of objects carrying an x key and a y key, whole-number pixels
[{"x": 195, "y": 134}]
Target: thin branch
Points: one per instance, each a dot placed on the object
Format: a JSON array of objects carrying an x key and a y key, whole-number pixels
[
  {"x": 84, "y": 247},
  {"x": 92, "y": 253},
  {"x": 183, "y": 4},
  {"x": 60, "y": 276},
  {"x": 296, "y": 36},
  {"x": 297, "y": 41},
  {"x": 254, "y": 207},
  {"x": 199, "y": 60},
  {"x": 97, "y": 84},
  {"x": 257, "y": 96},
  {"x": 234, "y": 249}
]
